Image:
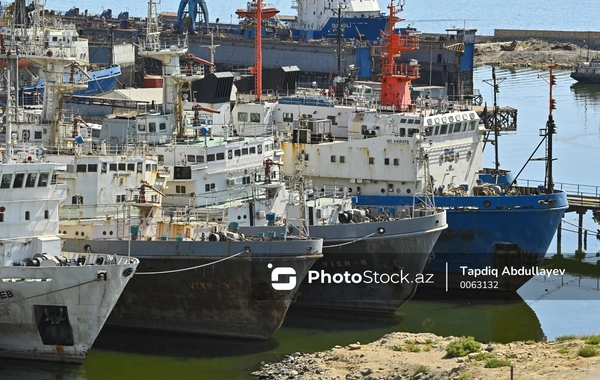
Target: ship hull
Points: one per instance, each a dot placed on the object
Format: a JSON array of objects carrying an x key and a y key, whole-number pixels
[
  {"x": 586, "y": 78},
  {"x": 511, "y": 232},
  {"x": 232, "y": 298},
  {"x": 58, "y": 312},
  {"x": 390, "y": 264}
]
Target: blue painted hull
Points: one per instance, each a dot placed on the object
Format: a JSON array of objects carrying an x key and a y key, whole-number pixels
[
  {"x": 100, "y": 82},
  {"x": 507, "y": 232}
]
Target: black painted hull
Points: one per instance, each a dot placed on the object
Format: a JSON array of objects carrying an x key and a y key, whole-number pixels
[
  {"x": 232, "y": 298},
  {"x": 403, "y": 250}
]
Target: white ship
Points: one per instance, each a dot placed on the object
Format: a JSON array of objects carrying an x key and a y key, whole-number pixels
[{"x": 53, "y": 304}]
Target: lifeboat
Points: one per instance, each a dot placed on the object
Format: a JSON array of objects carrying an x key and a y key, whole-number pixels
[{"x": 250, "y": 11}]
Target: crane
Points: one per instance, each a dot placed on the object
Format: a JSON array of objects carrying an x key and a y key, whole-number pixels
[{"x": 187, "y": 13}]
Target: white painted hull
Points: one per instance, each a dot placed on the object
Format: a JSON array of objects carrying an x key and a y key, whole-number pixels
[{"x": 88, "y": 298}]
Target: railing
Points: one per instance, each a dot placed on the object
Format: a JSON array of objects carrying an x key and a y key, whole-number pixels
[{"x": 569, "y": 188}]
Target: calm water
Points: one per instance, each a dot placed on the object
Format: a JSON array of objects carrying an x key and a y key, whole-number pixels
[
  {"x": 482, "y": 15},
  {"x": 550, "y": 307}
]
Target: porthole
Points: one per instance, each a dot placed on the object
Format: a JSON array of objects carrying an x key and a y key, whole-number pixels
[{"x": 487, "y": 204}]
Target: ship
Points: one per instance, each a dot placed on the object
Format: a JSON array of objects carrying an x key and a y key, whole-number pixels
[
  {"x": 587, "y": 72},
  {"x": 370, "y": 146},
  {"x": 55, "y": 37},
  {"x": 54, "y": 301},
  {"x": 231, "y": 279}
]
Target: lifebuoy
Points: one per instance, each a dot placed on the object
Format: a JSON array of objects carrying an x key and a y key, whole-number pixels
[{"x": 49, "y": 53}]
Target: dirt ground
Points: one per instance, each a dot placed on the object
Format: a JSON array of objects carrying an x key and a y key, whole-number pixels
[
  {"x": 399, "y": 356},
  {"x": 531, "y": 53}
]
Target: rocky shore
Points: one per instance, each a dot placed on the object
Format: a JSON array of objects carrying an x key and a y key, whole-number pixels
[
  {"x": 531, "y": 53},
  {"x": 399, "y": 356}
]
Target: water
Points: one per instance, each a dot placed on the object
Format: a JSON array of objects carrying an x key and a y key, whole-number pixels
[{"x": 485, "y": 16}]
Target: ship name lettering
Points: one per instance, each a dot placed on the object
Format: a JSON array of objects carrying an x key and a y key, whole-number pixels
[
  {"x": 397, "y": 141},
  {"x": 208, "y": 286},
  {"x": 4, "y": 294},
  {"x": 336, "y": 264}
]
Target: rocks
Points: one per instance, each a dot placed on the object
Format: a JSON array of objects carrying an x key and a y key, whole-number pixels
[{"x": 376, "y": 361}]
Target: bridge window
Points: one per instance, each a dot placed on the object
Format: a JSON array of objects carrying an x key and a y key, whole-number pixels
[
  {"x": 386, "y": 161},
  {"x": 238, "y": 153},
  {"x": 221, "y": 156},
  {"x": 451, "y": 118},
  {"x": 43, "y": 181},
  {"x": 402, "y": 132},
  {"x": 93, "y": 168},
  {"x": 244, "y": 151},
  {"x": 180, "y": 189},
  {"x": 332, "y": 158},
  {"x": 122, "y": 166},
  {"x": 472, "y": 125},
  {"x": 152, "y": 127},
  {"x": 396, "y": 162},
  {"x": 243, "y": 116},
  {"x": 191, "y": 158},
  {"x": 38, "y": 135},
  {"x": 6, "y": 180},
  {"x": 412, "y": 131},
  {"x": 141, "y": 127},
  {"x": 252, "y": 150},
  {"x": 130, "y": 167},
  {"x": 162, "y": 126},
  {"x": 288, "y": 117},
  {"x": 81, "y": 168},
  {"x": 342, "y": 159},
  {"x": 31, "y": 177},
  {"x": 428, "y": 131},
  {"x": 113, "y": 167},
  {"x": 19, "y": 177},
  {"x": 200, "y": 159},
  {"x": 255, "y": 117},
  {"x": 444, "y": 129},
  {"x": 457, "y": 127},
  {"x": 464, "y": 126},
  {"x": 210, "y": 157},
  {"x": 333, "y": 120}
]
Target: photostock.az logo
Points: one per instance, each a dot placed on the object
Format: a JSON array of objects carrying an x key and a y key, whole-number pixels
[{"x": 287, "y": 273}]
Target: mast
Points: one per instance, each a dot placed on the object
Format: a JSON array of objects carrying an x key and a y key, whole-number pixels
[
  {"x": 258, "y": 52},
  {"x": 395, "y": 77},
  {"x": 550, "y": 130}
]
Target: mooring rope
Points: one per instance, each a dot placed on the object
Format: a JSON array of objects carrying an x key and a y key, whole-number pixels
[
  {"x": 350, "y": 242},
  {"x": 197, "y": 266}
]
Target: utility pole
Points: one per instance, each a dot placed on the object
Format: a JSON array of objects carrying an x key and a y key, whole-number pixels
[{"x": 495, "y": 83}]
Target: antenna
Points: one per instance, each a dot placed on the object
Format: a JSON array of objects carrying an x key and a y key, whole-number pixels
[{"x": 495, "y": 83}]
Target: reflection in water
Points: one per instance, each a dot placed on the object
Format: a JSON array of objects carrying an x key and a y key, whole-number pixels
[
  {"x": 14, "y": 369},
  {"x": 585, "y": 91}
]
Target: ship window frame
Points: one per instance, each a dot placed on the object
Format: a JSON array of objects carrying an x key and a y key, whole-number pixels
[
  {"x": 429, "y": 122},
  {"x": 254, "y": 117},
  {"x": 437, "y": 120},
  {"x": 444, "y": 129},
  {"x": 162, "y": 127},
  {"x": 19, "y": 180},
  {"x": 131, "y": 167},
  {"x": 465, "y": 117},
  {"x": 288, "y": 117},
  {"x": 371, "y": 160},
  {"x": 220, "y": 156},
  {"x": 121, "y": 166},
  {"x": 252, "y": 150},
  {"x": 457, "y": 127},
  {"x": 31, "y": 180},
  {"x": 451, "y": 118},
  {"x": 411, "y": 121},
  {"x": 464, "y": 126},
  {"x": 112, "y": 167},
  {"x": 210, "y": 157},
  {"x": 191, "y": 158},
  {"x": 237, "y": 153},
  {"x": 244, "y": 151},
  {"x": 386, "y": 161},
  {"x": 43, "y": 179},
  {"x": 152, "y": 127},
  {"x": 243, "y": 116},
  {"x": 199, "y": 158},
  {"x": 93, "y": 168},
  {"x": 342, "y": 159},
  {"x": 396, "y": 162},
  {"x": 141, "y": 127},
  {"x": 333, "y": 159},
  {"x": 437, "y": 130},
  {"x": 6, "y": 181},
  {"x": 81, "y": 168}
]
